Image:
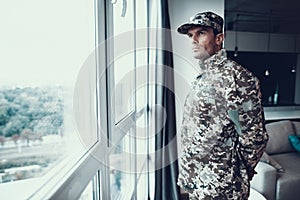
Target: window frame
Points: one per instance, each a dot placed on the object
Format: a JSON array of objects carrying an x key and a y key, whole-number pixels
[
  {"x": 70, "y": 183},
  {"x": 116, "y": 129}
]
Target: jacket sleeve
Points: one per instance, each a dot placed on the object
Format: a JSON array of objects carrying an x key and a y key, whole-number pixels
[{"x": 246, "y": 111}]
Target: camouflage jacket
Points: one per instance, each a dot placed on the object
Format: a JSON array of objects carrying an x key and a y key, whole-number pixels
[{"x": 222, "y": 134}]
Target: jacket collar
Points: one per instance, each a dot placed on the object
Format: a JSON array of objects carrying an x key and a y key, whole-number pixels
[{"x": 214, "y": 60}]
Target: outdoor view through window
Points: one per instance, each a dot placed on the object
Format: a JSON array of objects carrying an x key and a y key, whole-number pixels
[
  {"x": 32, "y": 130},
  {"x": 43, "y": 47}
]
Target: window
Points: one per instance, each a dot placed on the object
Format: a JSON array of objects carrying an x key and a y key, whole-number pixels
[
  {"x": 77, "y": 97},
  {"x": 44, "y": 47},
  {"x": 127, "y": 93}
]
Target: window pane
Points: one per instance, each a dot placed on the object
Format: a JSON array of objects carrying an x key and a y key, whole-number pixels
[
  {"x": 91, "y": 191},
  {"x": 122, "y": 168},
  {"x": 124, "y": 58},
  {"x": 87, "y": 194},
  {"x": 32, "y": 127},
  {"x": 43, "y": 47}
]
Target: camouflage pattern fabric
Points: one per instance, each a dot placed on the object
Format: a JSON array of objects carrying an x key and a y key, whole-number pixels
[
  {"x": 208, "y": 19},
  {"x": 223, "y": 134}
]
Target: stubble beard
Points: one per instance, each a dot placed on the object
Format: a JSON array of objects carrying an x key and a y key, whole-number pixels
[{"x": 200, "y": 53}]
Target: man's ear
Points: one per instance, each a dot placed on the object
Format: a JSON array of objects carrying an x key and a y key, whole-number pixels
[{"x": 219, "y": 39}]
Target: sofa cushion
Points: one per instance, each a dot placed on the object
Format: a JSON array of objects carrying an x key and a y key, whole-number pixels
[
  {"x": 265, "y": 180},
  {"x": 278, "y": 137},
  {"x": 255, "y": 195},
  {"x": 269, "y": 160},
  {"x": 288, "y": 183},
  {"x": 296, "y": 127}
]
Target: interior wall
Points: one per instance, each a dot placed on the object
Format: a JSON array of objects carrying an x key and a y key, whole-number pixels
[
  {"x": 279, "y": 65},
  {"x": 297, "y": 86},
  {"x": 262, "y": 42},
  {"x": 185, "y": 65}
]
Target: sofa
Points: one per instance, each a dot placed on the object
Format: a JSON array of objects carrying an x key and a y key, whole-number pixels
[{"x": 278, "y": 172}]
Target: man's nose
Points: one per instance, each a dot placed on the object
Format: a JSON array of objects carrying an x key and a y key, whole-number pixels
[{"x": 194, "y": 39}]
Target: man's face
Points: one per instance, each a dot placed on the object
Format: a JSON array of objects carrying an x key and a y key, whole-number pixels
[{"x": 204, "y": 41}]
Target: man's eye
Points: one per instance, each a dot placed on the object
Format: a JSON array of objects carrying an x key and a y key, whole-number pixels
[
  {"x": 189, "y": 35},
  {"x": 200, "y": 33}
]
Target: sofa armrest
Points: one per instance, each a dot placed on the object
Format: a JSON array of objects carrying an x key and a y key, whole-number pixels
[{"x": 265, "y": 180}]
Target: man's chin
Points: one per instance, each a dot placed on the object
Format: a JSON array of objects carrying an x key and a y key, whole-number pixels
[
  {"x": 201, "y": 57},
  {"x": 198, "y": 58}
]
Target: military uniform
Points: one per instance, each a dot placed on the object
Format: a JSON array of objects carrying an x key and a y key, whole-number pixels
[{"x": 223, "y": 134}]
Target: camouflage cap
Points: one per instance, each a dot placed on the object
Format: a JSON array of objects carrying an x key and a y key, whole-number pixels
[{"x": 208, "y": 19}]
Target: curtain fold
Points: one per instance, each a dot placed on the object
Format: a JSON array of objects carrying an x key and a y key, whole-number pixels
[{"x": 166, "y": 164}]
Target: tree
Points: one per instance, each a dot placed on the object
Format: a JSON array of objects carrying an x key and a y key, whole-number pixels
[
  {"x": 37, "y": 109},
  {"x": 15, "y": 138},
  {"x": 4, "y": 115},
  {"x": 15, "y": 125},
  {"x": 2, "y": 140},
  {"x": 27, "y": 135}
]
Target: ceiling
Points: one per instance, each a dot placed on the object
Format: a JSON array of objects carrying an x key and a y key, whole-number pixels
[{"x": 274, "y": 16}]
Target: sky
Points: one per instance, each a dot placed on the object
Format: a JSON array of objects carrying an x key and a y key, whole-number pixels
[{"x": 43, "y": 43}]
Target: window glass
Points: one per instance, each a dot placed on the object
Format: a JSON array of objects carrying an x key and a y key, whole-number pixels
[
  {"x": 122, "y": 168},
  {"x": 129, "y": 88},
  {"x": 91, "y": 192},
  {"x": 124, "y": 58},
  {"x": 43, "y": 48},
  {"x": 87, "y": 194}
]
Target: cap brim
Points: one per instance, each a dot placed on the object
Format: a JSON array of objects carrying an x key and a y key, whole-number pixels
[{"x": 184, "y": 28}]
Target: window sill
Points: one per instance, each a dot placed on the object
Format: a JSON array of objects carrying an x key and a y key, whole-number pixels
[{"x": 44, "y": 186}]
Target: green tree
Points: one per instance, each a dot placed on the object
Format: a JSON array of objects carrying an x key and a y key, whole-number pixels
[
  {"x": 4, "y": 114},
  {"x": 15, "y": 125},
  {"x": 37, "y": 109}
]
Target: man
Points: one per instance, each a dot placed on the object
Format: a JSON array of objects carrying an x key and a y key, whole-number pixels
[{"x": 223, "y": 134}]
